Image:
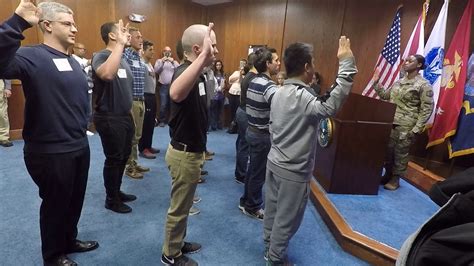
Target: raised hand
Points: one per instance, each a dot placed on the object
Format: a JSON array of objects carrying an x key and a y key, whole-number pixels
[
  {"x": 123, "y": 36},
  {"x": 344, "y": 50},
  {"x": 28, "y": 11},
  {"x": 207, "y": 48}
]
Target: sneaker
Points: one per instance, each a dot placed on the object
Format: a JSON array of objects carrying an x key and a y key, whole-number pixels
[
  {"x": 265, "y": 254},
  {"x": 6, "y": 143},
  {"x": 89, "y": 133},
  {"x": 241, "y": 207},
  {"x": 124, "y": 197},
  {"x": 181, "y": 260},
  {"x": 208, "y": 157},
  {"x": 258, "y": 214},
  {"x": 147, "y": 154},
  {"x": 194, "y": 211},
  {"x": 240, "y": 180},
  {"x": 204, "y": 172},
  {"x": 132, "y": 173},
  {"x": 201, "y": 180},
  {"x": 190, "y": 248},
  {"x": 141, "y": 169},
  {"x": 279, "y": 263},
  {"x": 196, "y": 199},
  {"x": 210, "y": 153}
]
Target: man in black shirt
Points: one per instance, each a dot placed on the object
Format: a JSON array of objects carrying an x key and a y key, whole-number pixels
[
  {"x": 242, "y": 153},
  {"x": 112, "y": 117},
  {"x": 56, "y": 151},
  {"x": 188, "y": 126}
]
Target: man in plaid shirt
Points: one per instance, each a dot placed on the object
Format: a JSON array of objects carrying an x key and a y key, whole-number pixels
[{"x": 139, "y": 70}]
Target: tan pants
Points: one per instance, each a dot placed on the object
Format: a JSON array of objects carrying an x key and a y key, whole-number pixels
[
  {"x": 138, "y": 112},
  {"x": 185, "y": 170},
  {"x": 4, "y": 123}
]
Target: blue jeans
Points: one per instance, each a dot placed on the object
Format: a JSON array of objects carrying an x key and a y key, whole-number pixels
[
  {"x": 217, "y": 107},
  {"x": 164, "y": 102},
  {"x": 241, "y": 145},
  {"x": 259, "y": 147}
]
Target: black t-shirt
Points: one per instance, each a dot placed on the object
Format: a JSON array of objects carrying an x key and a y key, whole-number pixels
[
  {"x": 244, "y": 85},
  {"x": 112, "y": 97},
  {"x": 188, "y": 119}
]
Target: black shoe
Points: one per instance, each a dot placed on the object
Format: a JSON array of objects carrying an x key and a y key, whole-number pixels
[
  {"x": 201, "y": 180},
  {"x": 6, "y": 143},
  {"x": 126, "y": 197},
  {"x": 61, "y": 260},
  {"x": 204, "y": 172},
  {"x": 181, "y": 260},
  {"x": 117, "y": 206},
  {"x": 153, "y": 150},
  {"x": 83, "y": 246}
]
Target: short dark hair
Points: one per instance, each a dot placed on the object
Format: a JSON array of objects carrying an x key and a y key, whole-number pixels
[
  {"x": 146, "y": 44},
  {"x": 251, "y": 59},
  {"x": 105, "y": 29},
  {"x": 421, "y": 60},
  {"x": 263, "y": 55},
  {"x": 296, "y": 56},
  {"x": 180, "y": 50}
]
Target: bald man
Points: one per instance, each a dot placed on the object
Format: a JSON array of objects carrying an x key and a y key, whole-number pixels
[
  {"x": 165, "y": 67},
  {"x": 188, "y": 126}
]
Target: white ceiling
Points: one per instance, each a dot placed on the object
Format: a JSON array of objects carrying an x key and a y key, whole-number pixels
[{"x": 211, "y": 2}]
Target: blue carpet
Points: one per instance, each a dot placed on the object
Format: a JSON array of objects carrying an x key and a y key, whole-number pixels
[
  {"x": 228, "y": 237},
  {"x": 390, "y": 217}
]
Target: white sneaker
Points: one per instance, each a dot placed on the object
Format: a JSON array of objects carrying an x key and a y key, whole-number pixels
[
  {"x": 89, "y": 133},
  {"x": 194, "y": 211}
]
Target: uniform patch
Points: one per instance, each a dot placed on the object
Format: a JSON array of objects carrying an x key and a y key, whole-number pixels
[{"x": 429, "y": 93}]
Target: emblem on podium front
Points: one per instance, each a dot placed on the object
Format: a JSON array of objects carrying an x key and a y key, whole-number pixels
[{"x": 325, "y": 131}]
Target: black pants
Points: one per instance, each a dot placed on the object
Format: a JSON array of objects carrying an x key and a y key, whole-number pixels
[
  {"x": 116, "y": 134},
  {"x": 148, "y": 122},
  {"x": 62, "y": 182},
  {"x": 234, "y": 102}
]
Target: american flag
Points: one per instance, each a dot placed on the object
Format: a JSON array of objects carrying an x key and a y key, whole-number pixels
[{"x": 388, "y": 63}]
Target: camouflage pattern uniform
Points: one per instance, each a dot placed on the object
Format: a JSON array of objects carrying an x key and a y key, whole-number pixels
[{"x": 414, "y": 100}]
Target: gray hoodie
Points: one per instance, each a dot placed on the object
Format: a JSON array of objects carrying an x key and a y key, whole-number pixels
[{"x": 294, "y": 116}]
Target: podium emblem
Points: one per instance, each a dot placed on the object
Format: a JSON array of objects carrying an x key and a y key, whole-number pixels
[{"x": 325, "y": 131}]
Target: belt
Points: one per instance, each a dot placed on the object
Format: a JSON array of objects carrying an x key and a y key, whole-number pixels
[
  {"x": 183, "y": 147},
  {"x": 140, "y": 99},
  {"x": 257, "y": 130}
]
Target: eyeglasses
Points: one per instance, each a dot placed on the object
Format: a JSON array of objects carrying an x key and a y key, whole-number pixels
[{"x": 64, "y": 23}]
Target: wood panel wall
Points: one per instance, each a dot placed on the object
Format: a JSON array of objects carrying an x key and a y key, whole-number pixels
[{"x": 321, "y": 22}]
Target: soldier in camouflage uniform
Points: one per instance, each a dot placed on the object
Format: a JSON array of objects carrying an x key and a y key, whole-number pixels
[{"x": 413, "y": 96}]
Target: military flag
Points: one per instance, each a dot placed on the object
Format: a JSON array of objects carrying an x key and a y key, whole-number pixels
[
  {"x": 434, "y": 55},
  {"x": 463, "y": 142},
  {"x": 452, "y": 82}
]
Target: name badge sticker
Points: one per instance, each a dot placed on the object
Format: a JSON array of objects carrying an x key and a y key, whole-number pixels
[
  {"x": 202, "y": 89},
  {"x": 62, "y": 64},
  {"x": 121, "y": 73}
]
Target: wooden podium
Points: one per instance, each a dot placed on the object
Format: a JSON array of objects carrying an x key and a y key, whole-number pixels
[{"x": 352, "y": 162}]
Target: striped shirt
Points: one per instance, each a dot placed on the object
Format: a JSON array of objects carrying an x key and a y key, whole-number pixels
[
  {"x": 139, "y": 70},
  {"x": 259, "y": 97}
]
